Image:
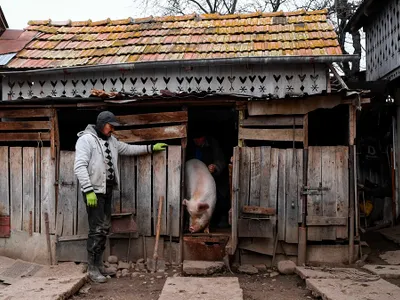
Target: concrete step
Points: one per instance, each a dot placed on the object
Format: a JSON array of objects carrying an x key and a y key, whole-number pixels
[
  {"x": 347, "y": 284},
  {"x": 200, "y": 288}
]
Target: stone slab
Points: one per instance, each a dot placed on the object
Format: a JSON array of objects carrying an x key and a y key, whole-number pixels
[
  {"x": 384, "y": 271},
  {"x": 199, "y": 267},
  {"x": 200, "y": 288},
  {"x": 51, "y": 282},
  {"x": 334, "y": 273},
  {"x": 391, "y": 257},
  {"x": 346, "y": 289},
  {"x": 392, "y": 233}
]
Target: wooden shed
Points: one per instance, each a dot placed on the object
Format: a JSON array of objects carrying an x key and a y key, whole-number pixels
[{"x": 263, "y": 84}]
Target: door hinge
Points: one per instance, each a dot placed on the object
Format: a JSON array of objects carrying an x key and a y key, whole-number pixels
[{"x": 307, "y": 190}]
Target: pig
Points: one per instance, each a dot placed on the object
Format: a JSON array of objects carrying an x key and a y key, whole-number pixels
[{"x": 201, "y": 195}]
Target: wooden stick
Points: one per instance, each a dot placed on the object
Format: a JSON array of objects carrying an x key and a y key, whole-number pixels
[
  {"x": 46, "y": 220},
  {"x": 160, "y": 204}
]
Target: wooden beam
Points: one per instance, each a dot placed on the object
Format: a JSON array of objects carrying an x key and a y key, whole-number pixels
[
  {"x": 271, "y": 134},
  {"x": 24, "y": 125},
  {"x": 305, "y": 131},
  {"x": 326, "y": 221},
  {"x": 293, "y": 106},
  {"x": 26, "y": 113},
  {"x": 352, "y": 124},
  {"x": 268, "y": 211},
  {"x": 157, "y": 118},
  {"x": 151, "y": 134},
  {"x": 272, "y": 121},
  {"x": 21, "y": 137}
]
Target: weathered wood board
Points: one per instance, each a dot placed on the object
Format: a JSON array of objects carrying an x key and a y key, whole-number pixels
[
  {"x": 16, "y": 188},
  {"x": 48, "y": 201},
  {"x": 327, "y": 211},
  {"x": 271, "y": 134},
  {"x": 82, "y": 219},
  {"x": 67, "y": 208},
  {"x": 28, "y": 183},
  {"x": 151, "y": 134},
  {"x": 160, "y": 189},
  {"x": 4, "y": 180},
  {"x": 128, "y": 184},
  {"x": 174, "y": 187},
  {"x": 282, "y": 195},
  {"x": 255, "y": 176},
  {"x": 314, "y": 202},
  {"x": 26, "y": 113},
  {"x": 143, "y": 216},
  {"x": 155, "y": 118},
  {"x": 258, "y": 121}
]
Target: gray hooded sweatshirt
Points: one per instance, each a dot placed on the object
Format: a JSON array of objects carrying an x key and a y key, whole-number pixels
[{"x": 90, "y": 166}]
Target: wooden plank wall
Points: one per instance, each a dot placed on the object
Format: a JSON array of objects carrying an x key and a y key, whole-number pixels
[
  {"x": 143, "y": 180},
  {"x": 327, "y": 212},
  {"x": 27, "y": 187},
  {"x": 272, "y": 178}
]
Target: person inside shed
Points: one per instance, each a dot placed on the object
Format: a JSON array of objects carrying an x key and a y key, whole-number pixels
[
  {"x": 207, "y": 149},
  {"x": 96, "y": 160}
]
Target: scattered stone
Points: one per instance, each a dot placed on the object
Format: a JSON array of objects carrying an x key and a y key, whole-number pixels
[
  {"x": 140, "y": 267},
  {"x": 112, "y": 269},
  {"x": 261, "y": 267},
  {"x": 384, "y": 271},
  {"x": 191, "y": 267},
  {"x": 108, "y": 277},
  {"x": 123, "y": 265},
  {"x": 141, "y": 276},
  {"x": 106, "y": 264},
  {"x": 248, "y": 269},
  {"x": 273, "y": 274},
  {"x": 174, "y": 270},
  {"x": 286, "y": 267},
  {"x": 119, "y": 274},
  {"x": 176, "y": 275},
  {"x": 112, "y": 259},
  {"x": 135, "y": 274},
  {"x": 85, "y": 289},
  {"x": 140, "y": 261},
  {"x": 114, "y": 266},
  {"x": 125, "y": 272}
]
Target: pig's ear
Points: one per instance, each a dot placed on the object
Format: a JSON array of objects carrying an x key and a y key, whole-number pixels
[
  {"x": 184, "y": 202},
  {"x": 202, "y": 206}
]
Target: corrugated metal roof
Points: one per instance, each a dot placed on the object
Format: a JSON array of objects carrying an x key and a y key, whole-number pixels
[
  {"x": 67, "y": 44},
  {"x": 5, "y": 58}
]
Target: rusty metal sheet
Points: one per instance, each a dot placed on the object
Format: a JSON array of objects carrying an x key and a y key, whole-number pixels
[
  {"x": 5, "y": 226},
  {"x": 123, "y": 223},
  {"x": 207, "y": 248}
]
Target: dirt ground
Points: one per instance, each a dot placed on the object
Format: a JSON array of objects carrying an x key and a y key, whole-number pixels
[{"x": 148, "y": 287}]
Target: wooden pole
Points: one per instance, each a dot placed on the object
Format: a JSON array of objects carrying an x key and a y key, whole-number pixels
[
  {"x": 302, "y": 247},
  {"x": 353, "y": 179}
]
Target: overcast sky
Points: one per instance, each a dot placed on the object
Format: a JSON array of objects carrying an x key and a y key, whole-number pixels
[{"x": 19, "y": 12}]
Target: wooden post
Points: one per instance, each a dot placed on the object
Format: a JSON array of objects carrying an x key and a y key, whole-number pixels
[
  {"x": 241, "y": 142},
  {"x": 302, "y": 247},
  {"x": 353, "y": 179},
  {"x": 181, "y": 224}
]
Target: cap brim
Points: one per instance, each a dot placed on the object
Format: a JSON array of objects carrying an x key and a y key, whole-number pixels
[{"x": 114, "y": 123}]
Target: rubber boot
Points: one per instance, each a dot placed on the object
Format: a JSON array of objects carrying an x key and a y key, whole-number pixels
[
  {"x": 103, "y": 270},
  {"x": 93, "y": 271}
]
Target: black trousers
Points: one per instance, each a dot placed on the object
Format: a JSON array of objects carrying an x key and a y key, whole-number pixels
[{"x": 99, "y": 218}]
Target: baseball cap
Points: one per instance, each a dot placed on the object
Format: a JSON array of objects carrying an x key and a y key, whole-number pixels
[{"x": 107, "y": 117}]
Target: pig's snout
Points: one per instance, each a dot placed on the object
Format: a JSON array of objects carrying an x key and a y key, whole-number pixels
[{"x": 191, "y": 229}]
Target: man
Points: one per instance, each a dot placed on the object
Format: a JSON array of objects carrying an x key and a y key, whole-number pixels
[
  {"x": 208, "y": 150},
  {"x": 96, "y": 161}
]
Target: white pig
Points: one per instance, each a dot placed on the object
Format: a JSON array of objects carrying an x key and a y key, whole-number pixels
[{"x": 201, "y": 195}]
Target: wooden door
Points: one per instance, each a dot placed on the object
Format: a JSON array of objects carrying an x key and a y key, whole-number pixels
[
  {"x": 327, "y": 193},
  {"x": 266, "y": 187}
]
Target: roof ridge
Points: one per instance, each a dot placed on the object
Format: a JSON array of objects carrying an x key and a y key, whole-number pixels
[{"x": 193, "y": 16}]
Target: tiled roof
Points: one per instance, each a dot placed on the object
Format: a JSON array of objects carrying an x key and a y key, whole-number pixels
[
  {"x": 189, "y": 37},
  {"x": 13, "y": 40}
]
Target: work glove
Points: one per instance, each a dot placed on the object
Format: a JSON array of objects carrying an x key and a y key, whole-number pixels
[
  {"x": 91, "y": 199},
  {"x": 160, "y": 147}
]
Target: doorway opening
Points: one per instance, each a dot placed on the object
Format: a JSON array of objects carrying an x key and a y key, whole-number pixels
[{"x": 220, "y": 128}]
